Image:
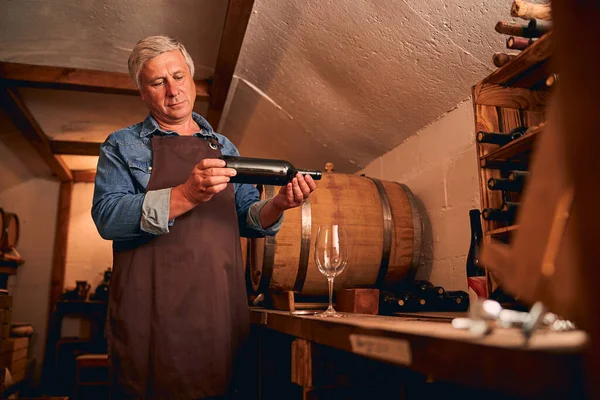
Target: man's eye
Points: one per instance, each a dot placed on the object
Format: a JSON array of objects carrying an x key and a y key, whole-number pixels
[
  {"x": 157, "y": 83},
  {"x": 179, "y": 78}
]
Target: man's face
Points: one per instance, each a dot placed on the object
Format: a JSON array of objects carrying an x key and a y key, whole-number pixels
[{"x": 167, "y": 87}]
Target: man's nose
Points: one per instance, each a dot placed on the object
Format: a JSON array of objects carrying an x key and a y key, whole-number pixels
[{"x": 172, "y": 89}]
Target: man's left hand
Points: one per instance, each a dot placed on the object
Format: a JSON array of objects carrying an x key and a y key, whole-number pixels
[{"x": 295, "y": 193}]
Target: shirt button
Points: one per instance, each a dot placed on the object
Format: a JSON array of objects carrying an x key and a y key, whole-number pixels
[{"x": 149, "y": 168}]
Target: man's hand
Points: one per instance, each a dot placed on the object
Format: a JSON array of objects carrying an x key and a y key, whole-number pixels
[
  {"x": 295, "y": 193},
  {"x": 292, "y": 195},
  {"x": 208, "y": 178}
]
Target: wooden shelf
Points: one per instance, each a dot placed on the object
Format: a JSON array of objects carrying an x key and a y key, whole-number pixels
[
  {"x": 528, "y": 69},
  {"x": 502, "y": 234},
  {"x": 516, "y": 151}
]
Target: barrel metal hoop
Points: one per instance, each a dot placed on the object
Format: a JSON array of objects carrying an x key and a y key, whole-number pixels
[
  {"x": 388, "y": 225},
  {"x": 417, "y": 232},
  {"x": 269, "y": 253},
  {"x": 304, "y": 246}
]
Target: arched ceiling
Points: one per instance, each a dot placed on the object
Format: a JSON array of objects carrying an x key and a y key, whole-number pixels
[{"x": 316, "y": 81}]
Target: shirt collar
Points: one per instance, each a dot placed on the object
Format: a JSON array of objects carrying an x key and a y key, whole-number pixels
[{"x": 150, "y": 126}]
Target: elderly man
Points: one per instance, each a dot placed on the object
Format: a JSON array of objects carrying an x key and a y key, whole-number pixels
[{"x": 178, "y": 312}]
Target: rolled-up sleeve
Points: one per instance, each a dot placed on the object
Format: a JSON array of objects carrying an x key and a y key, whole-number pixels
[
  {"x": 155, "y": 212},
  {"x": 254, "y": 219}
]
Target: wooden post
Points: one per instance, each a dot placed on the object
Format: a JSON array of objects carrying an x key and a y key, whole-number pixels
[
  {"x": 57, "y": 276},
  {"x": 236, "y": 22},
  {"x": 579, "y": 122}
]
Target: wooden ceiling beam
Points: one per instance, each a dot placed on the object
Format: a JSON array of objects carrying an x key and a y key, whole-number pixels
[
  {"x": 88, "y": 175},
  {"x": 76, "y": 148},
  {"x": 20, "y": 115},
  {"x": 78, "y": 79},
  {"x": 236, "y": 22}
]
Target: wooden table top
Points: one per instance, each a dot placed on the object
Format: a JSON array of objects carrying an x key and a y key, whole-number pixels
[{"x": 550, "y": 364}]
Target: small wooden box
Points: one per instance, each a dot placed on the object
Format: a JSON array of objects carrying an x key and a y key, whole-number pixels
[
  {"x": 14, "y": 355},
  {"x": 359, "y": 301}
]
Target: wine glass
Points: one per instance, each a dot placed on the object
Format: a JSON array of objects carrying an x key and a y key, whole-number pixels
[{"x": 331, "y": 256}]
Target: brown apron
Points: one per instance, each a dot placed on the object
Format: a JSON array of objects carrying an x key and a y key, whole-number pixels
[{"x": 177, "y": 309}]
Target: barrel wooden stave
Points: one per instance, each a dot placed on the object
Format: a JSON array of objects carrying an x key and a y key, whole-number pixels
[{"x": 353, "y": 202}]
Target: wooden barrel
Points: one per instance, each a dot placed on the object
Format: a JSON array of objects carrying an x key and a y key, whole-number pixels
[
  {"x": 383, "y": 230},
  {"x": 9, "y": 236}
]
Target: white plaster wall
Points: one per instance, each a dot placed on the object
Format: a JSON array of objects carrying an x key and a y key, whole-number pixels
[
  {"x": 439, "y": 165},
  {"x": 88, "y": 255},
  {"x": 353, "y": 80},
  {"x": 35, "y": 200},
  {"x": 99, "y": 34}
]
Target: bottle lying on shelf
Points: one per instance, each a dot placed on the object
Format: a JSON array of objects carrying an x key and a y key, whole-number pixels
[
  {"x": 506, "y": 213},
  {"x": 265, "y": 171},
  {"x": 501, "y": 138}
]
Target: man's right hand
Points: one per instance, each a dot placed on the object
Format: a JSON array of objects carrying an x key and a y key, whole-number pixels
[{"x": 208, "y": 178}]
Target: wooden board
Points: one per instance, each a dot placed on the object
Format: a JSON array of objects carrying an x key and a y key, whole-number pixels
[
  {"x": 435, "y": 349},
  {"x": 529, "y": 67}
]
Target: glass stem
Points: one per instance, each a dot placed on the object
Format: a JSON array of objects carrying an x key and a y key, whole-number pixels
[{"x": 330, "y": 281}]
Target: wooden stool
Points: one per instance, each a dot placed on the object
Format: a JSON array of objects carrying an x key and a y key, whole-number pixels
[{"x": 92, "y": 370}]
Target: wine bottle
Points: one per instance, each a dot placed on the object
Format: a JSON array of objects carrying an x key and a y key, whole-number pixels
[
  {"x": 506, "y": 213},
  {"x": 454, "y": 300},
  {"x": 426, "y": 290},
  {"x": 501, "y": 138},
  {"x": 475, "y": 273},
  {"x": 518, "y": 176},
  {"x": 265, "y": 171},
  {"x": 422, "y": 286},
  {"x": 505, "y": 184},
  {"x": 405, "y": 302}
]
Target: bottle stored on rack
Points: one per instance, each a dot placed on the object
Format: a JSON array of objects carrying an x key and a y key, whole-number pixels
[
  {"x": 475, "y": 273},
  {"x": 501, "y": 138},
  {"x": 506, "y": 213},
  {"x": 518, "y": 176},
  {"x": 505, "y": 184},
  {"x": 265, "y": 171}
]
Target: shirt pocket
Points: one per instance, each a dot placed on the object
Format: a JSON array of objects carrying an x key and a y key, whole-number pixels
[{"x": 140, "y": 170}]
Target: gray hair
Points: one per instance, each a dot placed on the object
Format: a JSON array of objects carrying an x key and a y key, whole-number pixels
[{"x": 151, "y": 47}]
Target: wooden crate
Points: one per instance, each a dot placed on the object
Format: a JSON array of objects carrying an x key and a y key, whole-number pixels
[
  {"x": 14, "y": 353},
  {"x": 515, "y": 95}
]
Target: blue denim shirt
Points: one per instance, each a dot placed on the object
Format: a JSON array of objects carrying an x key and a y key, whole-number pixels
[{"x": 122, "y": 209}]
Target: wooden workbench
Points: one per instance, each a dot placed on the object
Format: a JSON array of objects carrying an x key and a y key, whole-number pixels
[{"x": 548, "y": 366}]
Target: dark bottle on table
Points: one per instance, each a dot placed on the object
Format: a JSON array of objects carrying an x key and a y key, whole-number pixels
[
  {"x": 404, "y": 302},
  {"x": 476, "y": 279},
  {"x": 455, "y": 300},
  {"x": 501, "y": 139},
  {"x": 265, "y": 171},
  {"x": 426, "y": 290}
]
